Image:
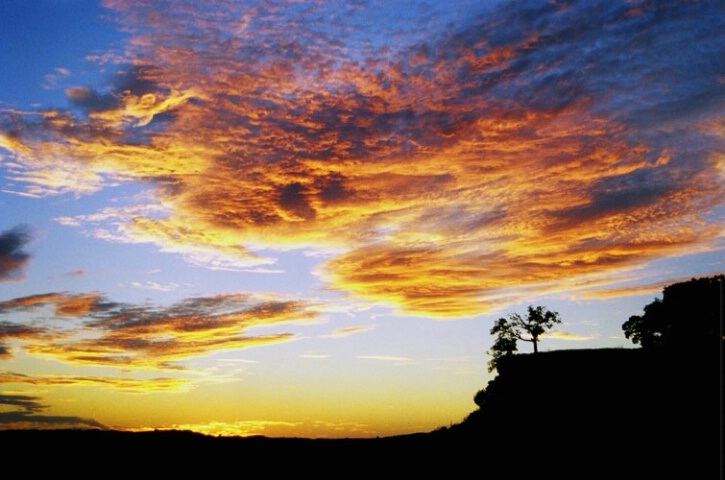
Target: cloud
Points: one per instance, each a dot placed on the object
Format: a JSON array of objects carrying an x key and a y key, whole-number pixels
[
  {"x": 64, "y": 304},
  {"x": 151, "y": 223},
  {"x": 165, "y": 384},
  {"x": 13, "y": 258},
  {"x": 170, "y": 287},
  {"x": 27, "y": 416},
  {"x": 532, "y": 145},
  {"x": 10, "y": 331},
  {"x": 555, "y": 334},
  {"x": 244, "y": 428},
  {"x": 24, "y": 420},
  {"x": 52, "y": 80},
  {"x": 74, "y": 274},
  {"x": 26, "y": 402},
  {"x": 150, "y": 337},
  {"x": 389, "y": 358},
  {"x": 344, "y": 332}
]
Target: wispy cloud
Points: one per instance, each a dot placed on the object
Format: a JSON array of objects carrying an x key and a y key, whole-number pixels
[
  {"x": 653, "y": 289},
  {"x": 559, "y": 335},
  {"x": 63, "y": 304},
  {"x": 165, "y": 384},
  {"x": 53, "y": 80},
  {"x": 150, "y": 337},
  {"x": 169, "y": 287},
  {"x": 237, "y": 429},
  {"x": 25, "y": 402},
  {"x": 27, "y": 415},
  {"x": 207, "y": 248},
  {"x": 531, "y": 147},
  {"x": 389, "y": 358},
  {"x": 276, "y": 428},
  {"x": 26, "y": 420},
  {"x": 344, "y": 332},
  {"x": 12, "y": 331},
  {"x": 75, "y": 274}
]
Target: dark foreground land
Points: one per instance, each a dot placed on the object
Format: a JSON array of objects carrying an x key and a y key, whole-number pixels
[{"x": 570, "y": 414}]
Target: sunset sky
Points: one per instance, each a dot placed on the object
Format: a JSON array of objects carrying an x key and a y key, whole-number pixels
[{"x": 302, "y": 218}]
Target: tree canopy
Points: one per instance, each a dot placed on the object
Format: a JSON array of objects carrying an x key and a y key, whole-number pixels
[
  {"x": 688, "y": 316},
  {"x": 529, "y": 329}
]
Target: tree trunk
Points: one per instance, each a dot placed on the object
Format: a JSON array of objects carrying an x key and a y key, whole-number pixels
[{"x": 536, "y": 343}]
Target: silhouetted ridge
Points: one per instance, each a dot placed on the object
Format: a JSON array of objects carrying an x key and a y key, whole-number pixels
[
  {"x": 624, "y": 413},
  {"x": 633, "y": 409}
]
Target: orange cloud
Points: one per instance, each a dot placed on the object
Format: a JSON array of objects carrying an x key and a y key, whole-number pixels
[
  {"x": 144, "y": 337},
  {"x": 11, "y": 331},
  {"x": 124, "y": 384},
  {"x": 555, "y": 334},
  {"x": 344, "y": 332},
  {"x": 64, "y": 304},
  {"x": 442, "y": 174}
]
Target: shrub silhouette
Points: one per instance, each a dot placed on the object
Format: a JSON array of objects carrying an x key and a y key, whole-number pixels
[{"x": 687, "y": 318}]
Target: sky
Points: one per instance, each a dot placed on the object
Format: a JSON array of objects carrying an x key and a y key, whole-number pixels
[{"x": 302, "y": 218}]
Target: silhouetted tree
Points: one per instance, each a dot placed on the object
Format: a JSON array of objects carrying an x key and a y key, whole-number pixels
[
  {"x": 516, "y": 327},
  {"x": 688, "y": 316},
  {"x": 505, "y": 343}
]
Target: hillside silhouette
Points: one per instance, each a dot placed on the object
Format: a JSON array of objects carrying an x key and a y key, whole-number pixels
[
  {"x": 598, "y": 413},
  {"x": 572, "y": 413},
  {"x": 641, "y": 411}
]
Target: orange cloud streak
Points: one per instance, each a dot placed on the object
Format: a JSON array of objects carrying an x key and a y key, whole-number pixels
[
  {"x": 152, "y": 338},
  {"x": 124, "y": 384}
]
